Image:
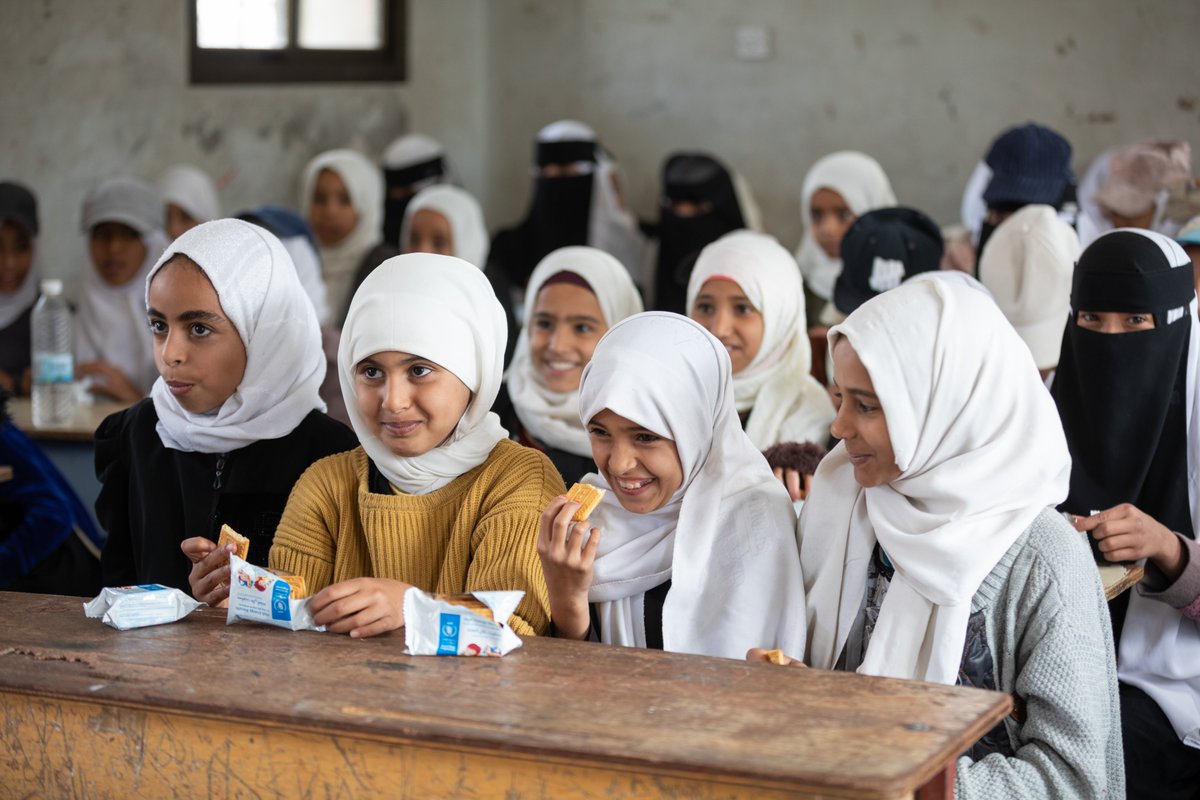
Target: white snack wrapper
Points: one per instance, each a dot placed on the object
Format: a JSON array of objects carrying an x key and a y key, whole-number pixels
[
  {"x": 259, "y": 595},
  {"x": 434, "y": 627},
  {"x": 127, "y": 607}
]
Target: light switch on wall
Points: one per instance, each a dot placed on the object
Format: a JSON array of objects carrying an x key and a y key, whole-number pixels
[{"x": 753, "y": 43}]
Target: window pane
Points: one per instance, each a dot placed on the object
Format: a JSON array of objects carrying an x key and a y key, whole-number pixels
[
  {"x": 341, "y": 24},
  {"x": 241, "y": 24}
]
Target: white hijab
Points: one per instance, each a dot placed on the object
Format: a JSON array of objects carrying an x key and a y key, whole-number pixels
[
  {"x": 461, "y": 211},
  {"x": 364, "y": 182},
  {"x": 863, "y": 184},
  {"x": 725, "y": 538},
  {"x": 787, "y": 403},
  {"x": 1160, "y": 648},
  {"x": 110, "y": 321},
  {"x": 260, "y": 294},
  {"x": 443, "y": 309},
  {"x": 191, "y": 190},
  {"x": 550, "y": 417},
  {"x": 965, "y": 409}
]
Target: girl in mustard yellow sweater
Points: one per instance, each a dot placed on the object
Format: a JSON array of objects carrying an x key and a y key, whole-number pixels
[{"x": 436, "y": 496}]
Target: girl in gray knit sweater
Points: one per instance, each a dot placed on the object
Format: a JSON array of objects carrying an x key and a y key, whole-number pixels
[{"x": 931, "y": 549}]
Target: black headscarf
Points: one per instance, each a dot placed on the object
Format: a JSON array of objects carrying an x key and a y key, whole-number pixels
[
  {"x": 559, "y": 215},
  {"x": 410, "y": 179},
  {"x": 1123, "y": 397},
  {"x": 700, "y": 179}
]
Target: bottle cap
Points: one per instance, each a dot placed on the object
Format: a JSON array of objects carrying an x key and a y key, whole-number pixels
[{"x": 52, "y": 286}]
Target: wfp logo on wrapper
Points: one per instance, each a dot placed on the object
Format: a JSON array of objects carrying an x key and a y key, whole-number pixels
[
  {"x": 280, "y": 609},
  {"x": 448, "y": 635}
]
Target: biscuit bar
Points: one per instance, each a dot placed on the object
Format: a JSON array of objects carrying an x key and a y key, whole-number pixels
[
  {"x": 776, "y": 657},
  {"x": 230, "y": 536},
  {"x": 588, "y": 498},
  {"x": 295, "y": 581},
  {"x": 468, "y": 601}
]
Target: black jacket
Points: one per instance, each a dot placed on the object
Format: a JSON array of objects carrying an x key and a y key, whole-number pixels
[{"x": 152, "y": 498}]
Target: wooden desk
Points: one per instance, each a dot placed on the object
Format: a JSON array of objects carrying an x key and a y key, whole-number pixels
[
  {"x": 1119, "y": 577},
  {"x": 81, "y": 428},
  {"x": 201, "y": 709}
]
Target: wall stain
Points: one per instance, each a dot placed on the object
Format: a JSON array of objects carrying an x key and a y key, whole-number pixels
[
  {"x": 1065, "y": 46},
  {"x": 208, "y": 137},
  {"x": 947, "y": 98},
  {"x": 979, "y": 25},
  {"x": 860, "y": 41},
  {"x": 1186, "y": 103},
  {"x": 830, "y": 110}
]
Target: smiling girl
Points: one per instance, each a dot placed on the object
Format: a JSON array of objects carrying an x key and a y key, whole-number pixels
[
  {"x": 745, "y": 289},
  {"x": 574, "y": 295},
  {"x": 692, "y": 548},
  {"x": 436, "y": 496},
  {"x": 931, "y": 548},
  {"x": 233, "y": 419}
]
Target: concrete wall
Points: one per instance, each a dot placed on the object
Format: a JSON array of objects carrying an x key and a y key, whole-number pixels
[{"x": 94, "y": 88}]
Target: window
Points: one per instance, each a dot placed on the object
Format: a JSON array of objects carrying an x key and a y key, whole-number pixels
[{"x": 296, "y": 41}]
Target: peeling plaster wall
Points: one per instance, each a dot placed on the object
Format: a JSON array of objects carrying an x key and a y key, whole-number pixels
[{"x": 95, "y": 87}]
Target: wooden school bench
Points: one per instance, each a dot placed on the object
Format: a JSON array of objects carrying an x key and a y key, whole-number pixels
[{"x": 201, "y": 709}]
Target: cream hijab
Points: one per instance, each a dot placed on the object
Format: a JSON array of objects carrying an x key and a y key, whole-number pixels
[
  {"x": 192, "y": 190},
  {"x": 443, "y": 309},
  {"x": 863, "y": 184},
  {"x": 461, "y": 211},
  {"x": 965, "y": 409},
  {"x": 550, "y": 417},
  {"x": 725, "y": 538},
  {"x": 340, "y": 263},
  {"x": 259, "y": 292},
  {"x": 787, "y": 403}
]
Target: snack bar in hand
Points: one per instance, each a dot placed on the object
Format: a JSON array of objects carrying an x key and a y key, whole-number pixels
[
  {"x": 588, "y": 497},
  {"x": 259, "y": 595}
]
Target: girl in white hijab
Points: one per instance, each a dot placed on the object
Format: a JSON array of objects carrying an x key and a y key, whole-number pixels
[
  {"x": 436, "y": 496},
  {"x": 691, "y": 549},
  {"x": 850, "y": 184},
  {"x": 122, "y": 218},
  {"x": 931, "y": 549},
  {"x": 190, "y": 197},
  {"x": 447, "y": 220},
  {"x": 575, "y": 294},
  {"x": 774, "y": 392},
  {"x": 232, "y": 421},
  {"x": 342, "y": 199}
]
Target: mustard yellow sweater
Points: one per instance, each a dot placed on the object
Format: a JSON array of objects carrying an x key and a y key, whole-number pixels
[{"x": 479, "y": 532}]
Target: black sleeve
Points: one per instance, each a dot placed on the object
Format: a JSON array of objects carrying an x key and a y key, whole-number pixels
[{"x": 117, "y": 564}]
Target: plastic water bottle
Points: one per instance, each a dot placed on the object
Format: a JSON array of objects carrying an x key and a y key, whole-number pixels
[{"x": 53, "y": 360}]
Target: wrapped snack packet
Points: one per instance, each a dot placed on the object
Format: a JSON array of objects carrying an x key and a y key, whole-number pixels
[
  {"x": 126, "y": 607},
  {"x": 259, "y": 595},
  {"x": 439, "y": 627}
]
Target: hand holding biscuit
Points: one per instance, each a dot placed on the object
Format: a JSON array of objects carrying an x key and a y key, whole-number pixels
[
  {"x": 567, "y": 549},
  {"x": 773, "y": 657},
  {"x": 360, "y": 607},
  {"x": 209, "y": 578}
]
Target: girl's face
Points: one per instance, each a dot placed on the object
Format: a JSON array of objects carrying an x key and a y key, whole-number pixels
[
  {"x": 566, "y": 325},
  {"x": 829, "y": 218},
  {"x": 331, "y": 215},
  {"x": 1114, "y": 321},
  {"x": 117, "y": 251},
  {"x": 197, "y": 349},
  {"x": 179, "y": 221},
  {"x": 642, "y": 467},
  {"x": 724, "y": 309},
  {"x": 16, "y": 256},
  {"x": 410, "y": 403},
  {"x": 429, "y": 232},
  {"x": 860, "y": 422}
]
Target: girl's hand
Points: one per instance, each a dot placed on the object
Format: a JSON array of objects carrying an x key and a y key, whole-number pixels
[
  {"x": 209, "y": 578},
  {"x": 797, "y": 485},
  {"x": 110, "y": 382},
  {"x": 759, "y": 654},
  {"x": 1126, "y": 533},
  {"x": 360, "y": 607},
  {"x": 567, "y": 550}
]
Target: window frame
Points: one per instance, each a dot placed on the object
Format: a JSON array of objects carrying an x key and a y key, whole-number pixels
[{"x": 295, "y": 64}]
